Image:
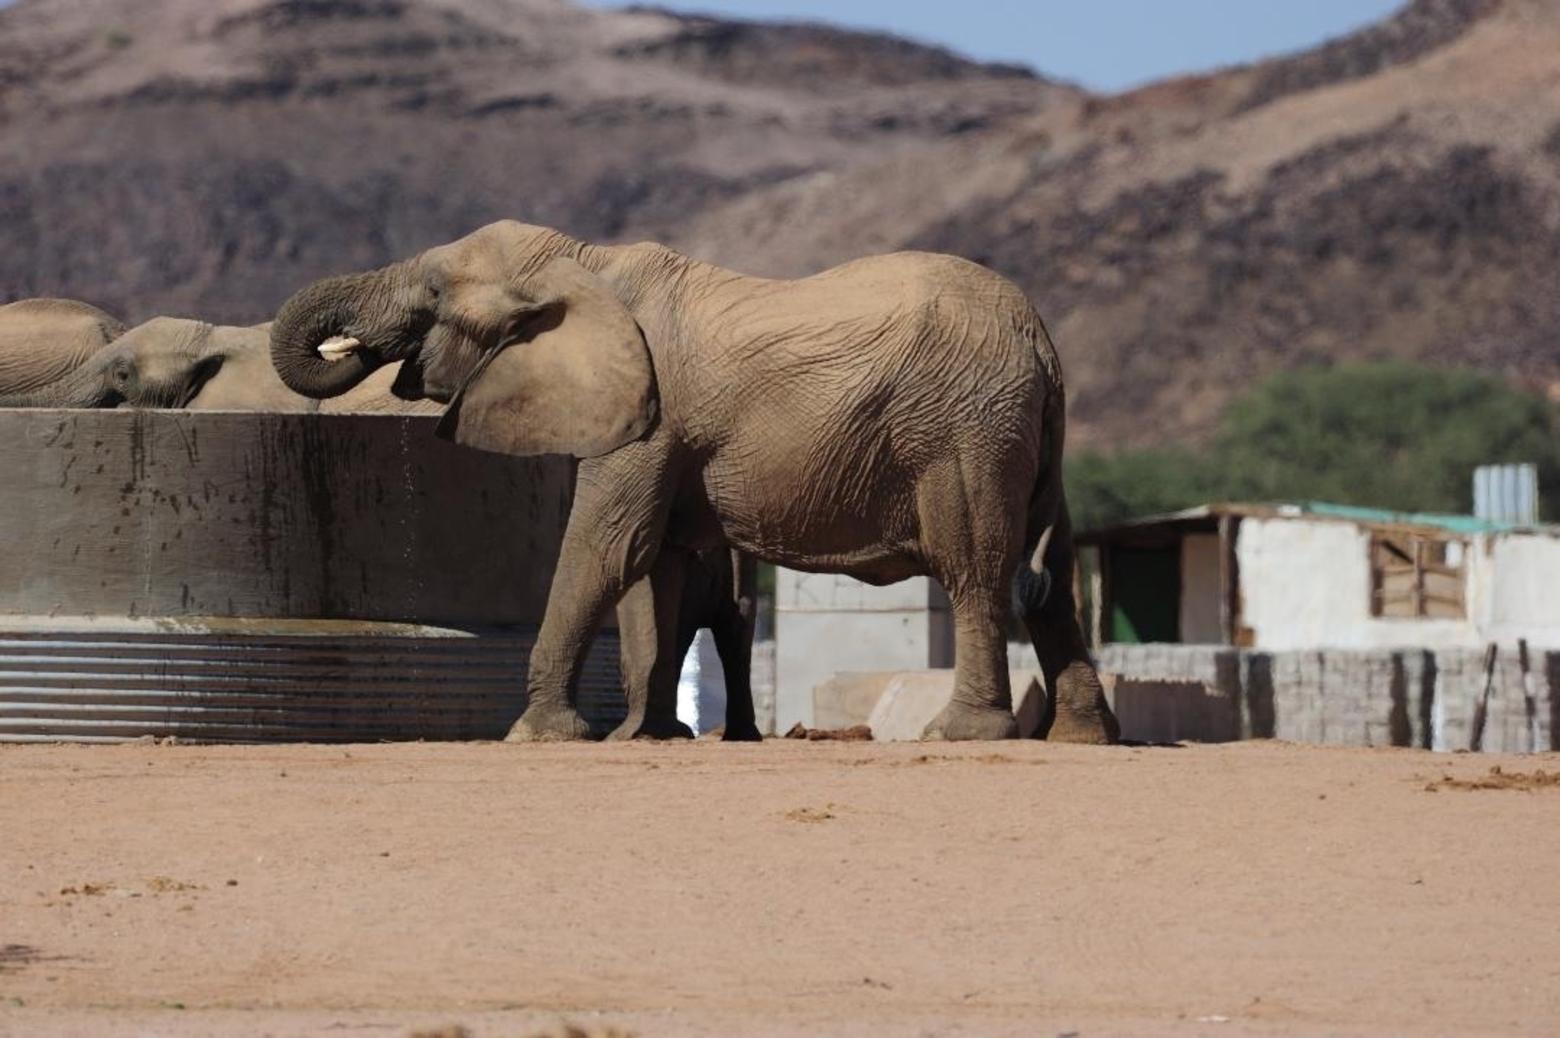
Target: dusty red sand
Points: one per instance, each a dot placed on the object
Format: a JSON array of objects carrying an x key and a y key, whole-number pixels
[{"x": 784, "y": 888}]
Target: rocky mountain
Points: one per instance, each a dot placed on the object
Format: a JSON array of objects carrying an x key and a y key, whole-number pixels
[{"x": 1392, "y": 193}]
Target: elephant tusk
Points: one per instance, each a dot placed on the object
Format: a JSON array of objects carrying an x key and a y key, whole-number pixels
[{"x": 337, "y": 347}]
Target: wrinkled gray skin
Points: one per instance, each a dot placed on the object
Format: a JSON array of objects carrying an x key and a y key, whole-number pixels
[
  {"x": 42, "y": 340},
  {"x": 895, "y": 416},
  {"x": 172, "y": 362}
]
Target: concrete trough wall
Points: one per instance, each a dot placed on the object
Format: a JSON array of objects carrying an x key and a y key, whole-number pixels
[
  {"x": 1353, "y": 697},
  {"x": 264, "y": 576},
  {"x": 185, "y": 513}
]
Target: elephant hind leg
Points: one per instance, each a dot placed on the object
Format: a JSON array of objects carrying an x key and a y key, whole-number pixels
[
  {"x": 982, "y": 703},
  {"x": 972, "y": 546},
  {"x": 1076, "y": 710}
]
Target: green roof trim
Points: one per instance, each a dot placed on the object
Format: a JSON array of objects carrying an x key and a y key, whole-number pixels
[
  {"x": 1463, "y": 525},
  {"x": 1467, "y": 524}
]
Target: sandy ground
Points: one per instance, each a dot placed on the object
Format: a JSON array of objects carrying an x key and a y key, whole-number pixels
[{"x": 1006, "y": 889}]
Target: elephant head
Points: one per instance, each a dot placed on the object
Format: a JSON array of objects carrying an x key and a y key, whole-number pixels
[
  {"x": 42, "y": 340},
  {"x": 534, "y": 352},
  {"x": 172, "y": 362}
]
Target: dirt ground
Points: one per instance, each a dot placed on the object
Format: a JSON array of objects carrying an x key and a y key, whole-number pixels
[{"x": 818, "y": 888}]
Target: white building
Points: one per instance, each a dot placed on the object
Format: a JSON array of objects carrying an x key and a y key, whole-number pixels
[{"x": 1322, "y": 576}]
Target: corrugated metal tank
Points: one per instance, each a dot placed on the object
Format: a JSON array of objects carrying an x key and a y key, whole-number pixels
[{"x": 256, "y": 577}]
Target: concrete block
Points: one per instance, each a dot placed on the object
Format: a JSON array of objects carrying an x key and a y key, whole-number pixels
[
  {"x": 1352, "y": 697},
  {"x": 847, "y": 699},
  {"x": 911, "y": 699},
  {"x": 811, "y": 647}
]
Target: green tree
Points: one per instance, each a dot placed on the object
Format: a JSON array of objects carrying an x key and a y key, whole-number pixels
[
  {"x": 1387, "y": 434},
  {"x": 1108, "y": 488}
]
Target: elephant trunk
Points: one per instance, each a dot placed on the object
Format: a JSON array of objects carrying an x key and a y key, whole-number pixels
[{"x": 352, "y": 305}]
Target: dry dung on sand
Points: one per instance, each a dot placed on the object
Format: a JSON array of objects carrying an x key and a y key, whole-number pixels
[
  {"x": 1499, "y": 778},
  {"x": 855, "y": 733}
]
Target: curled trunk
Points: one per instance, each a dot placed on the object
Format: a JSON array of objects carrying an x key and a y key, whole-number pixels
[{"x": 336, "y": 306}]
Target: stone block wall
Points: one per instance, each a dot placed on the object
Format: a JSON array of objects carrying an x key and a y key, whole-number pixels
[{"x": 1347, "y": 697}]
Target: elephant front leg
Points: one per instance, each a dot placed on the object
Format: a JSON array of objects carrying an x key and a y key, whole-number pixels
[
  {"x": 613, "y": 538},
  {"x": 652, "y": 656},
  {"x": 574, "y": 610}
]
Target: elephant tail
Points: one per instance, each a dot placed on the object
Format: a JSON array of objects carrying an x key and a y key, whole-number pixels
[{"x": 1047, "y": 500}]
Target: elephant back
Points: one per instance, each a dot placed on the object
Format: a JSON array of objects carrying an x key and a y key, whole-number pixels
[{"x": 43, "y": 340}]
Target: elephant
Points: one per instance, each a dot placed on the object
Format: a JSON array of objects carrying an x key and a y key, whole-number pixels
[
  {"x": 178, "y": 362},
  {"x": 897, "y": 415},
  {"x": 42, "y": 340},
  {"x": 172, "y": 362}
]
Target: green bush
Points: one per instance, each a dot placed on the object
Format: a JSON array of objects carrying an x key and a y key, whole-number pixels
[{"x": 1387, "y": 435}]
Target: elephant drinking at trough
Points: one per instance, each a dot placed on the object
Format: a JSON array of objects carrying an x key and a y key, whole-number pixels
[
  {"x": 895, "y": 416},
  {"x": 169, "y": 362}
]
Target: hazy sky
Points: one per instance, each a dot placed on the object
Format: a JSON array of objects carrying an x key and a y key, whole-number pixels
[{"x": 1103, "y": 44}]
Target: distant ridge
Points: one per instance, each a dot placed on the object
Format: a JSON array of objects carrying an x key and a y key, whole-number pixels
[{"x": 1395, "y": 192}]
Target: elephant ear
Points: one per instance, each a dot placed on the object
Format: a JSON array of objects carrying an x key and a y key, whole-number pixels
[{"x": 571, "y": 375}]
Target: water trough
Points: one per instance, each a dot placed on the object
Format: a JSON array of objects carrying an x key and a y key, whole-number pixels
[{"x": 271, "y": 577}]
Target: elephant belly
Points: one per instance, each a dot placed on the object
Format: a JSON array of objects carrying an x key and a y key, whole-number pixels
[{"x": 815, "y": 511}]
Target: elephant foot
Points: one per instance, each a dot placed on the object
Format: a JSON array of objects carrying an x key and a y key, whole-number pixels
[
  {"x": 651, "y": 728},
  {"x": 741, "y": 733},
  {"x": 1090, "y": 729},
  {"x": 1091, "y": 724},
  {"x": 1081, "y": 713},
  {"x": 961, "y": 722},
  {"x": 549, "y": 724}
]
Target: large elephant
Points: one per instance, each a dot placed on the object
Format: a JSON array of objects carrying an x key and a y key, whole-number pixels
[
  {"x": 894, "y": 416},
  {"x": 172, "y": 362},
  {"x": 41, "y": 340}
]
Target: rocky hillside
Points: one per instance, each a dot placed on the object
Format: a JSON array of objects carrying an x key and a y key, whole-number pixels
[{"x": 1395, "y": 192}]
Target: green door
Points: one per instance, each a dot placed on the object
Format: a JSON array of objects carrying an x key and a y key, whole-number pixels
[{"x": 1145, "y": 594}]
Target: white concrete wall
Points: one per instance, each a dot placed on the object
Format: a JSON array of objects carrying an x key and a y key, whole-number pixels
[
  {"x": 1306, "y": 585},
  {"x": 826, "y": 623},
  {"x": 1201, "y": 590},
  {"x": 1523, "y": 597}
]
